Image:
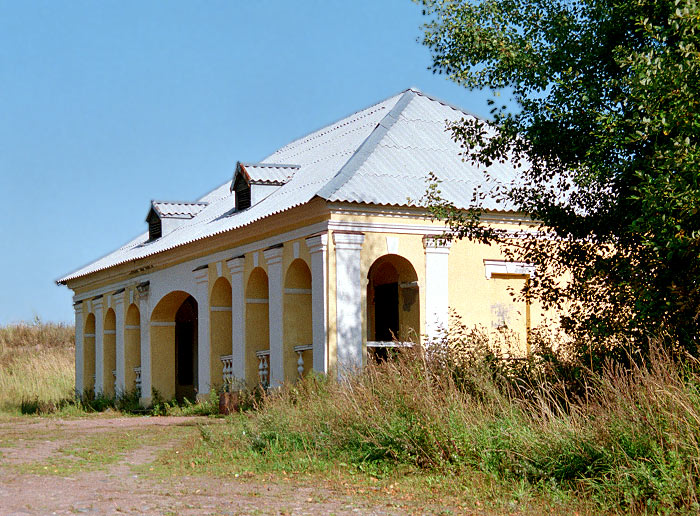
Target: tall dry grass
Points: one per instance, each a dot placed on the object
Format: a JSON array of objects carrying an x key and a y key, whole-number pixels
[
  {"x": 37, "y": 363},
  {"x": 629, "y": 439}
]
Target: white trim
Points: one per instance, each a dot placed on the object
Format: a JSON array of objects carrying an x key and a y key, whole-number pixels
[
  {"x": 257, "y": 300},
  {"x": 318, "y": 249},
  {"x": 388, "y": 344},
  {"x": 219, "y": 270},
  {"x": 256, "y": 259},
  {"x": 385, "y": 227},
  {"x": 273, "y": 258},
  {"x": 162, "y": 323},
  {"x": 89, "y": 335},
  {"x": 416, "y": 212},
  {"x": 110, "y": 332},
  {"x": 295, "y": 249},
  {"x": 303, "y": 347},
  {"x": 392, "y": 245},
  {"x": 132, "y": 327},
  {"x": 295, "y": 234},
  {"x": 220, "y": 308},
  {"x": 263, "y": 353},
  {"x": 492, "y": 267},
  {"x": 297, "y": 291}
]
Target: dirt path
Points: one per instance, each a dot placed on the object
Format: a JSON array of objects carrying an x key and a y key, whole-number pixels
[{"x": 122, "y": 487}]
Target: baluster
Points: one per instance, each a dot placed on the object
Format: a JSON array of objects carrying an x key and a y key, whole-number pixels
[{"x": 300, "y": 363}]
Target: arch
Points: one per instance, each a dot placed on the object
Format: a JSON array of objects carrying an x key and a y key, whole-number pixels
[
  {"x": 393, "y": 307},
  {"x": 89, "y": 354},
  {"x": 132, "y": 346},
  {"x": 109, "y": 352},
  {"x": 298, "y": 328},
  {"x": 257, "y": 322},
  {"x": 220, "y": 320},
  {"x": 174, "y": 346}
]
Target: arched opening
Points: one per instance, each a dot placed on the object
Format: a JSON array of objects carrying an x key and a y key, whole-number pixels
[
  {"x": 89, "y": 354},
  {"x": 393, "y": 307},
  {"x": 257, "y": 328},
  {"x": 109, "y": 353},
  {"x": 220, "y": 317},
  {"x": 132, "y": 348},
  {"x": 298, "y": 329},
  {"x": 174, "y": 346}
]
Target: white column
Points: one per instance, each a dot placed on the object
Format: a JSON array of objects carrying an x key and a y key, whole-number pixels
[
  {"x": 201, "y": 277},
  {"x": 145, "y": 328},
  {"x": 348, "y": 305},
  {"x": 318, "y": 248},
  {"x": 118, "y": 300},
  {"x": 99, "y": 346},
  {"x": 273, "y": 258},
  {"x": 79, "y": 349},
  {"x": 436, "y": 286},
  {"x": 235, "y": 266}
]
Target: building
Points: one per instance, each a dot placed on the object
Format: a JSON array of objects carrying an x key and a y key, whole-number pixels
[{"x": 317, "y": 257}]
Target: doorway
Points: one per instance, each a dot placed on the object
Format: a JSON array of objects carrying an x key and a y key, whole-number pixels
[{"x": 186, "y": 350}]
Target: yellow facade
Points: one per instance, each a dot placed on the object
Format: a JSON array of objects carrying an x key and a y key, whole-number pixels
[{"x": 393, "y": 253}]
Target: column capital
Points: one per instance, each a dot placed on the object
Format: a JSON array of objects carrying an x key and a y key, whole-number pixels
[
  {"x": 351, "y": 240},
  {"x": 119, "y": 296},
  {"x": 273, "y": 255},
  {"x": 236, "y": 265},
  {"x": 78, "y": 307},
  {"x": 201, "y": 274},
  {"x": 143, "y": 289},
  {"x": 436, "y": 244},
  {"x": 317, "y": 243},
  {"x": 97, "y": 303}
]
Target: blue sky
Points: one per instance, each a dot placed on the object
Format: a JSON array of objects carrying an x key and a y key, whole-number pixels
[{"x": 107, "y": 105}]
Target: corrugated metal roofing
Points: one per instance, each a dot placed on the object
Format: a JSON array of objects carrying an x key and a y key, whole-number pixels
[
  {"x": 379, "y": 155},
  {"x": 184, "y": 210},
  {"x": 268, "y": 173}
]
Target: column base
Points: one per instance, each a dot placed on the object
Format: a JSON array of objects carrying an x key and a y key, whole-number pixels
[
  {"x": 202, "y": 397},
  {"x": 146, "y": 402}
]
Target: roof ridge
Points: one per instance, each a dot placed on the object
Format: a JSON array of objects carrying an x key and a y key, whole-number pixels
[
  {"x": 336, "y": 122},
  {"x": 154, "y": 201},
  {"x": 367, "y": 146}
]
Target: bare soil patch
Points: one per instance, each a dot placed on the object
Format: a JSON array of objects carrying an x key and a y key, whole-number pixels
[{"x": 121, "y": 487}]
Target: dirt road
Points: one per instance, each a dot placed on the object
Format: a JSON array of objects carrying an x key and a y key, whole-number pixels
[{"x": 101, "y": 466}]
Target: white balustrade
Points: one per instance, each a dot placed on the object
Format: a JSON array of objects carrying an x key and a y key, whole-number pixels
[
  {"x": 299, "y": 350},
  {"x": 227, "y": 374},
  {"x": 264, "y": 366},
  {"x": 137, "y": 379}
]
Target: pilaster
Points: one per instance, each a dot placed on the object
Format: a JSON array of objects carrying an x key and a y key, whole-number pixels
[
  {"x": 143, "y": 290},
  {"x": 118, "y": 305},
  {"x": 349, "y": 284},
  {"x": 436, "y": 285},
  {"x": 273, "y": 258},
  {"x": 318, "y": 249},
  {"x": 99, "y": 345},
  {"x": 201, "y": 277},
  {"x": 235, "y": 267},
  {"x": 79, "y": 349}
]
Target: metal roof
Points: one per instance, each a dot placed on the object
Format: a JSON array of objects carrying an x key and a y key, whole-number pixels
[
  {"x": 177, "y": 210},
  {"x": 266, "y": 173},
  {"x": 379, "y": 155}
]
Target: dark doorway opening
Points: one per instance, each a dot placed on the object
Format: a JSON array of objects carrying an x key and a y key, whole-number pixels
[
  {"x": 186, "y": 350},
  {"x": 386, "y": 312}
]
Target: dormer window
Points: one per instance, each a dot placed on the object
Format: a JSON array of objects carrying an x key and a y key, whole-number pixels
[
  {"x": 252, "y": 182},
  {"x": 165, "y": 216},
  {"x": 241, "y": 187},
  {"x": 155, "y": 226}
]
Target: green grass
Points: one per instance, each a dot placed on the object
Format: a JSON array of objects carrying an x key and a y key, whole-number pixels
[{"x": 629, "y": 445}]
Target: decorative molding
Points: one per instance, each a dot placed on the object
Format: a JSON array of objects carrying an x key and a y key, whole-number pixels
[
  {"x": 236, "y": 265},
  {"x": 220, "y": 308},
  {"x": 89, "y": 335},
  {"x": 110, "y": 332},
  {"x": 257, "y": 300},
  {"x": 295, "y": 250},
  {"x": 392, "y": 245},
  {"x": 219, "y": 270},
  {"x": 132, "y": 327},
  {"x": 492, "y": 267},
  {"x": 162, "y": 323},
  {"x": 273, "y": 256},
  {"x": 348, "y": 240}
]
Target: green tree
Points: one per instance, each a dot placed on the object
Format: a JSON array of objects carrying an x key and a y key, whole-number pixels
[{"x": 604, "y": 124}]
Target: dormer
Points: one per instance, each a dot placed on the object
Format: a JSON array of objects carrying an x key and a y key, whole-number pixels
[
  {"x": 252, "y": 182},
  {"x": 165, "y": 216}
]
